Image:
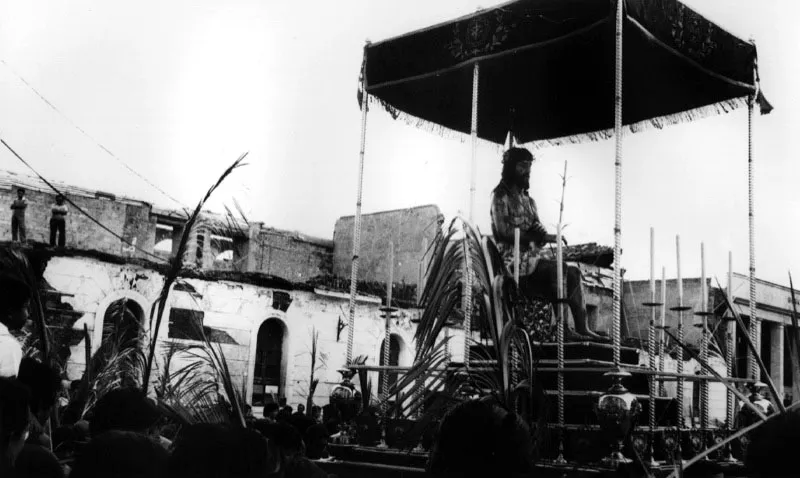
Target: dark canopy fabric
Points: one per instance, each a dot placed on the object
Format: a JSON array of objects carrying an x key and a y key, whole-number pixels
[{"x": 547, "y": 69}]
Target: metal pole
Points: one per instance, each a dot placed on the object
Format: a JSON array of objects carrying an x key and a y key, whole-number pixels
[
  {"x": 652, "y": 349},
  {"x": 387, "y": 326},
  {"x": 516, "y": 255},
  {"x": 617, "y": 317},
  {"x": 704, "y": 344},
  {"x": 467, "y": 298},
  {"x": 474, "y": 134},
  {"x": 560, "y": 342},
  {"x": 467, "y": 292},
  {"x": 755, "y": 326},
  {"x": 680, "y": 309},
  {"x": 357, "y": 219},
  {"x": 730, "y": 355},
  {"x": 662, "y": 338}
]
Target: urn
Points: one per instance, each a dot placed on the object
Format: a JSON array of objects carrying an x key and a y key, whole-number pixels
[{"x": 617, "y": 411}]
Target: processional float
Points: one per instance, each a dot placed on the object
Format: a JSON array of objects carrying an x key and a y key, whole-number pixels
[{"x": 555, "y": 70}]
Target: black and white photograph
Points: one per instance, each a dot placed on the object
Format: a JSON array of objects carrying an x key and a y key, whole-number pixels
[{"x": 356, "y": 239}]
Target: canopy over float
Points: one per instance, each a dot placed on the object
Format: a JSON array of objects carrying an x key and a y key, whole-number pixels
[
  {"x": 553, "y": 71},
  {"x": 547, "y": 69}
]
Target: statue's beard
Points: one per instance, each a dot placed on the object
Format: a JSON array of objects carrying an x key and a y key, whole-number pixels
[{"x": 523, "y": 183}]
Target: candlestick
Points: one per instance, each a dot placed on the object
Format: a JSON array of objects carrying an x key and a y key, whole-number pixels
[{"x": 662, "y": 340}]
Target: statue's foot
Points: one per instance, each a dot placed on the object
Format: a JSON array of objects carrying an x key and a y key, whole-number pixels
[
  {"x": 594, "y": 336},
  {"x": 573, "y": 336}
]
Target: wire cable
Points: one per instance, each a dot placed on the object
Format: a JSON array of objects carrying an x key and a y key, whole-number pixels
[
  {"x": 99, "y": 145},
  {"x": 78, "y": 208}
]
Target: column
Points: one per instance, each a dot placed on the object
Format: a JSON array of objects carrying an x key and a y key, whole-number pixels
[
  {"x": 253, "y": 247},
  {"x": 776, "y": 353}
]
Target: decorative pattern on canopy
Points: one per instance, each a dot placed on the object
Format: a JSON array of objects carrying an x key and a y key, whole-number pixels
[{"x": 547, "y": 69}]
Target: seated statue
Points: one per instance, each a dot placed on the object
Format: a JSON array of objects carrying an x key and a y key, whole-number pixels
[{"x": 512, "y": 208}]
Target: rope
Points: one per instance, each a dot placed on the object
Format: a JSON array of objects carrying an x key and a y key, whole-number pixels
[
  {"x": 616, "y": 329},
  {"x": 74, "y": 125},
  {"x": 357, "y": 222}
]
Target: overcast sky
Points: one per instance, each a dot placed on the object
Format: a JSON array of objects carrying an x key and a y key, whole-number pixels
[{"x": 178, "y": 89}]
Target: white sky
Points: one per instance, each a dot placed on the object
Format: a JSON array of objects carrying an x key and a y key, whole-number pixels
[{"x": 178, "y": 89}]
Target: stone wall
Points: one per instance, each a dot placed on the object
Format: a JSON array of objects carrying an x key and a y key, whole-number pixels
[
  {"x": 637, "y": 293},
  {"x": 129, "y": 219},
  {"x": 290, "y": 255},
  {"x": 412, "y": 230}
]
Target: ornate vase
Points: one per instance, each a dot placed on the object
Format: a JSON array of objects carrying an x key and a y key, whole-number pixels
[
  {"x": 617, "y": 411},
  {"x": 344, "y": 396}
]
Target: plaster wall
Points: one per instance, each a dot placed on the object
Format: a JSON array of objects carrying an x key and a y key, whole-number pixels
[{"x": 237, "y": 310}]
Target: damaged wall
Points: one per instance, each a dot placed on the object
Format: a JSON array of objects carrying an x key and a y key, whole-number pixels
[
  {"x": 290, "y": 255},
  {"x": 234, "y": 311},
  {"x": 129, "y": 219},
  {"x": 412, "y": 230}
]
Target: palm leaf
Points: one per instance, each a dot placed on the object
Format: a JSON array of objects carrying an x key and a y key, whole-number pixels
[
  {"x": 175, "y": 268},
  {"x": 14, "y": 265},
  {"x": 728, "y": 384},
  {"x": 756, "y": 354},
  {"x": 793, "y": 342}
]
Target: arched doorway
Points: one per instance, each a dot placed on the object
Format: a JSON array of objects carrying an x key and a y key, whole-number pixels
[
  {"x": 122, "y": 323},
  {"x": 268, "y": 373},
  {"x": 122, "y": 330},
  {"x": 394, "y": 359}
]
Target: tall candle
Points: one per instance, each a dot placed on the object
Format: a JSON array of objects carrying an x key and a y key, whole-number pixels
[
  {"x": 730, "y": 276},
  {"x": 652, "y": 266},
  {"x": 703, "y": 290},
  {"x": 663, "y": 298},
  {"x": 391, "y": 275}
]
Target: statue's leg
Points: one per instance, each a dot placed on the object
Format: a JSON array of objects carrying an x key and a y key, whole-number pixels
[
  {"x": 543, "y": 282},
  {"x": 576, "y": 301}
]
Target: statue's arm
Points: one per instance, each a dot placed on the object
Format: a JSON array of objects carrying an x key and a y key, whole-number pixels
[{"x": 503, "y": 220}]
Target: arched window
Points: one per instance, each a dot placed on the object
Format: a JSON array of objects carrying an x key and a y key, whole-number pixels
[{"x": 122, "y": 322}]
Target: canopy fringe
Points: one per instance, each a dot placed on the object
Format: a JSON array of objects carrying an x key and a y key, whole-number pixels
[
  {"x": 660, "y": 122},
  {"x": 430, "y": 126}
]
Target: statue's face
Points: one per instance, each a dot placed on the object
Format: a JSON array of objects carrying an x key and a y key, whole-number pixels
[{"x": 523, "y": 174}]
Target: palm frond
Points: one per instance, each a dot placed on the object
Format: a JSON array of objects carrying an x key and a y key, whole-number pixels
[
  {"x": 777, "y": 399},
  {"x": 364, "y": 382},
  {"x": 176, "y": 266},
  {"x": 793, "y": 342},
  {"x": 728, "y": 384},
  {"x": 15, "y": 265}
]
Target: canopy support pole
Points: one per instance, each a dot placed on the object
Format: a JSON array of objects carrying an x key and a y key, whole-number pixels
[
  {"x": 357, "y": 220},
  {"x": 467, "y": 291},
  {"x": 755, "y": 325},
  {"x": 616, "y": 323},
  {"x": 474, "y": 135}
]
